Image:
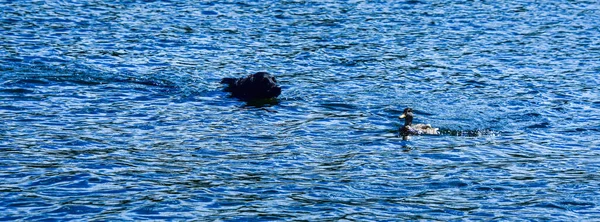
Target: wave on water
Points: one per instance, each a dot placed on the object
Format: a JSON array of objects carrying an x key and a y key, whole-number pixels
[
  {"x": 77, "y": 74},
  {"x": 468, "y": 133}
]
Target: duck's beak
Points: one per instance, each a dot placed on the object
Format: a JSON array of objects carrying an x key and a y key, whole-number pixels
[{"x": 402, "y": 116}]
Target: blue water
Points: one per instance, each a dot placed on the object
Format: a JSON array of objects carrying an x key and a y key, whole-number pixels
[{"x": 112, "y": 110}]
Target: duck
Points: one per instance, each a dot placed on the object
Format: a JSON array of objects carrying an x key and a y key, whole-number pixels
[{"x": 414, "y": 129}]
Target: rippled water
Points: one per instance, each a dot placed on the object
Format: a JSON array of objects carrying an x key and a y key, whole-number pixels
[{"x": 113, "y": 110}]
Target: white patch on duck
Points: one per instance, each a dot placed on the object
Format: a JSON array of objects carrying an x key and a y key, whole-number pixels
[{"x": 416, "y": 129}]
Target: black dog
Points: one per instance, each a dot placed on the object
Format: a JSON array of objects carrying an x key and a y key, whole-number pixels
[{"x": 260, "y": 85}]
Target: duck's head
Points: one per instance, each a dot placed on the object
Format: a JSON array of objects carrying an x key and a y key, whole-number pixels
[{"x": 407, "y": 115}]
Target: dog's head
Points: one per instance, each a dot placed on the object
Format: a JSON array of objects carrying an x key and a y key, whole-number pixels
[
  {"x": 260, "y": 85},
  {"x": 264, "y": 85}
]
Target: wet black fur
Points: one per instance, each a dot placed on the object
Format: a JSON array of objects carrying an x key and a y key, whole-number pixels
[{"x": 260, "y": 85}]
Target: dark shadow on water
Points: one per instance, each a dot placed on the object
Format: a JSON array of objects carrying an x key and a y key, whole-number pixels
[
  {"x": 339, "y": 106},
  {"x": 406, "y": 147},
  {"x": 262, "y": 103}
]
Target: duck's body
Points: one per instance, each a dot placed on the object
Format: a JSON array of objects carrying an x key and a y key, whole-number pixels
[{"x": 416, "y": 129}]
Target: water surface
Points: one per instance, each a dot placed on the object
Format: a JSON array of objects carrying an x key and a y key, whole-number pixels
[{"x": 113, "y": 110}]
